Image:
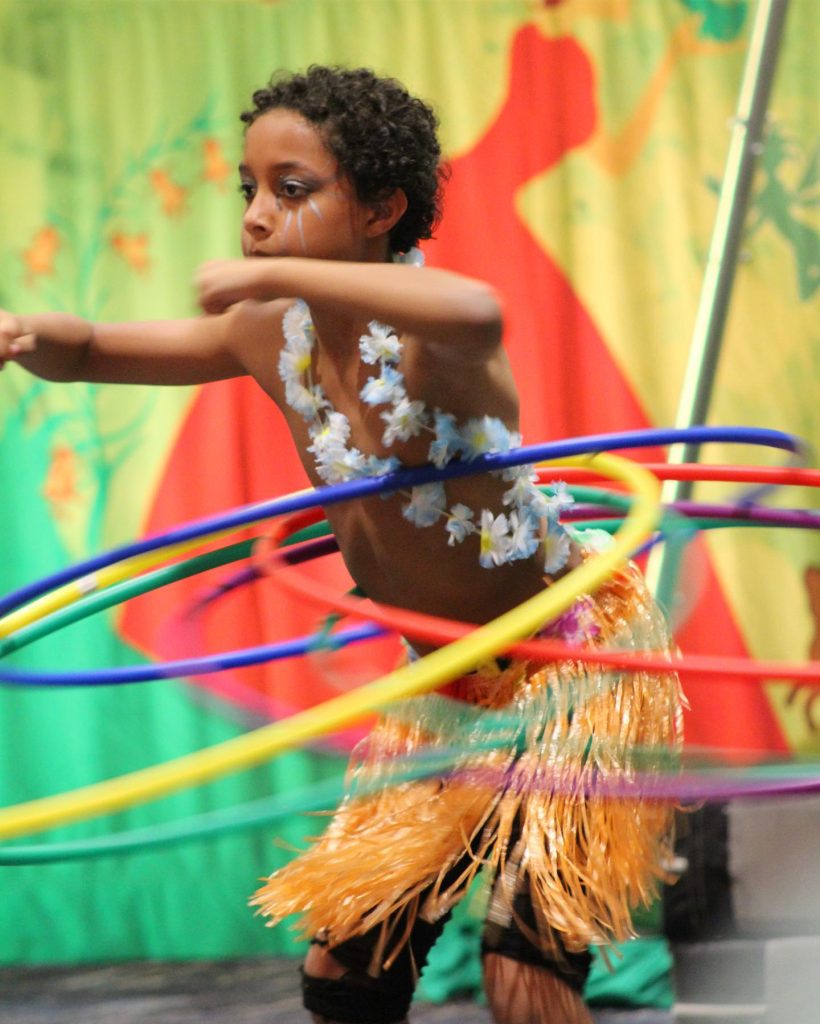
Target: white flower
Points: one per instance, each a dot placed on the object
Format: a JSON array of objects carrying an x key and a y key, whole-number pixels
[
  {"x": 294, "y": 359},
  {"x": 404, "y": 421},
  {"x": 329, "y": 472},
  {"x": 374, "y": 466},
  {"x": 547, "y": 506},
  {"x": 556, "y": 549},
  {"x": 487, "y": 434},
  {"x": 352, "y": 464},
  {"x": 458, "y": 524},
  {"x": 495, "y": 542},
  {"x": 385, "y": 388},
  {"x": 293, "y": 365},
  {"x": 523, "y": 491},
  {"x": 308, "y": 402},
  {"x": 537, "y": 506},
  {"x": 381, "y": 344},
  {"x": 514, "y": 472},
  {"x": 523, "y": 537},
  {"x": 337, "y": 427},
  {"x": 426, "y": 504},
  {"x": 336, "y": 464},
  {"x": 330, "y": 439},
  {"x": 560, "y": 500},
  {"x": 297, "y": 327},
  {"x": 448, "y": 442},
  {"x": 503, "y": 538}
]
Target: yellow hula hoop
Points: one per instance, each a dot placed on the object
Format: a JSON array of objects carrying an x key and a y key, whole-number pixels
[
  {"x": 426, "y": 674},
  {"x": 71, "y": 592}
]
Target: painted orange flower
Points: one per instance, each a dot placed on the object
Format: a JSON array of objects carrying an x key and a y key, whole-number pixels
[
  {"x": 39, "y": 257},
  {"x": 133, "y": 249},
  {"x": 60, "y": 486},
  {"x": 217, "y": 168},
  {"x": 170, "y": 194}
]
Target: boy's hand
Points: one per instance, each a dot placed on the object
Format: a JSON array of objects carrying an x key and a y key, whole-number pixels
[
  {"x": 222, "y": 283},
  {"x": 14, "y": 340}
]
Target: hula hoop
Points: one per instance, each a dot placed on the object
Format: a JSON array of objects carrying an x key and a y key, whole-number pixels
[
  {"x": 740, "y": 515},
  {"x": 32, "y": 602},
  {"x": 119, "y": 593},
  {"x": 417, "y": 625},
  {"x": 425, "y": 674},
  {"x": 295, "y": 647},
  {"x": 784, "y": 476},
  {"x": 294, "y": 532},
  {"x": 436, "y": 629},
  {"x": 754, "y": 781},
  {"x": 98, "y": 580}
]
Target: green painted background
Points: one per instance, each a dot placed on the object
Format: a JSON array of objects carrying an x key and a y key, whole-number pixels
[{"x": 118, "y": 140}]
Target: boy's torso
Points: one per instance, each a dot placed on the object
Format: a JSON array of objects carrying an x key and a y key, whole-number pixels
[{"x": 390, "y": 558}]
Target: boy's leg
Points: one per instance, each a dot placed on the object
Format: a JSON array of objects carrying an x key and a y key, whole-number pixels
[
  {"x": 521, "y": 993},
  {"x": 524, "y": 984},
  {"x": 325, "y": 988},
  {"x": 337, "y": 988}
]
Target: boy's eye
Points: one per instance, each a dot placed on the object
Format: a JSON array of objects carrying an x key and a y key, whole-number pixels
[
  {"x": 247, "y": 190},
  {"x": 292, "y": 189}
]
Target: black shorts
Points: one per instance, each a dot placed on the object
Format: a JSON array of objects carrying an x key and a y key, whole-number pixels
[{"x": 360, "y": 998}]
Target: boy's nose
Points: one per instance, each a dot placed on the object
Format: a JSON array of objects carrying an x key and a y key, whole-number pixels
[{"x": 258, "y": 218}]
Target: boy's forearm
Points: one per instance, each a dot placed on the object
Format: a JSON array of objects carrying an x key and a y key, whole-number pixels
[
  {"x": 436, "y": 304},
  {"x": 61, "y": 347},
  {"x": 61, "y": 343},
  {"x": 423, "y": 301}
]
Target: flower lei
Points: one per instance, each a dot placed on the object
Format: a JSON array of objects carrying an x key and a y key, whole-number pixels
[{"x": 532, "y": 518}]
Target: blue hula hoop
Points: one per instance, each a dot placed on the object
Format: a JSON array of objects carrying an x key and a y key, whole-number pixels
[
  {"x": 250, "y": 513},
  {"x": 280, "y": 651},
  {"x": 337, "y": 493}
]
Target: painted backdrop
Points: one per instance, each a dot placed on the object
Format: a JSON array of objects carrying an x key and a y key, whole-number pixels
[{"x": 587, "y": 140}]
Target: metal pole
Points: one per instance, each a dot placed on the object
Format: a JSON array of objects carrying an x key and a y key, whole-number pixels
[{"x": 744, "y": 147}]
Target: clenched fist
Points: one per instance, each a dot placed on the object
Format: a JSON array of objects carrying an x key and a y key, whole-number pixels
[
  {"x": 14, "y": 339},
  {"x": 222, "y": 283}
]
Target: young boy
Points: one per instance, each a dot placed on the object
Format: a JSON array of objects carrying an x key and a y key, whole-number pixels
[{"x": 341, "y": 175}]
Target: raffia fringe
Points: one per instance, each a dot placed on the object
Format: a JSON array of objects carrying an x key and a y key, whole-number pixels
[{"x": 589, "y": 859}]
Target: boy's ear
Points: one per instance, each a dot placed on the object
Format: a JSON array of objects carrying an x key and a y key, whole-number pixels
[{"x": 385, "y": 213}]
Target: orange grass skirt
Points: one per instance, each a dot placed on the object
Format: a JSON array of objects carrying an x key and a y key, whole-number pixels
[{"x": 588, "y": 858}]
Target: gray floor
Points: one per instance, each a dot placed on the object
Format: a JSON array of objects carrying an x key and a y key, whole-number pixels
[{"x": 241, "y": 992}]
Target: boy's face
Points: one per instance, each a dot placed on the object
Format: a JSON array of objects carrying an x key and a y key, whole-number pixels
[{"x": 298, "y": 201}]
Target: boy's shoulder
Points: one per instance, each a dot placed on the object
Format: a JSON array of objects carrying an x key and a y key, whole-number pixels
[
  {"x": 251, "y": 319},
  {"x": 253, "y": 332},
  {"x": 254, "y": 312}
]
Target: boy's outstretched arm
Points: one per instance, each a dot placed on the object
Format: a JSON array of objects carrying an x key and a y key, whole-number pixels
[
  {"x": 63, "y": 347},
  {"x": 436, "y": 305}
]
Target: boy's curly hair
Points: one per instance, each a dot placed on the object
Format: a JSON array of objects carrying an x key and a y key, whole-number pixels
[{"x": 382, "y": 137}]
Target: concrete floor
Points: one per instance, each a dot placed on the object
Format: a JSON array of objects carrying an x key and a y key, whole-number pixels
[{"x": 235, "y": 992}]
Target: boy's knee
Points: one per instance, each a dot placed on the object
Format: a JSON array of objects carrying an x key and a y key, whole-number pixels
[
  {"x": 334, "y": 994},
  {"x": 321, "y": 963}
]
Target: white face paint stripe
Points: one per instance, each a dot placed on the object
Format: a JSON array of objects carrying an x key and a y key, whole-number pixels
[
  {"x": 315, "y": 207},
  {"x": 286, "y": 229},
  {"x": 301, "y": 228}
]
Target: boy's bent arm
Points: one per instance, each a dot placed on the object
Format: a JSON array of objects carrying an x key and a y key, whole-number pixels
[
  {"x": 63, "y": 347},
  {"x": 437, "y": 305}
]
